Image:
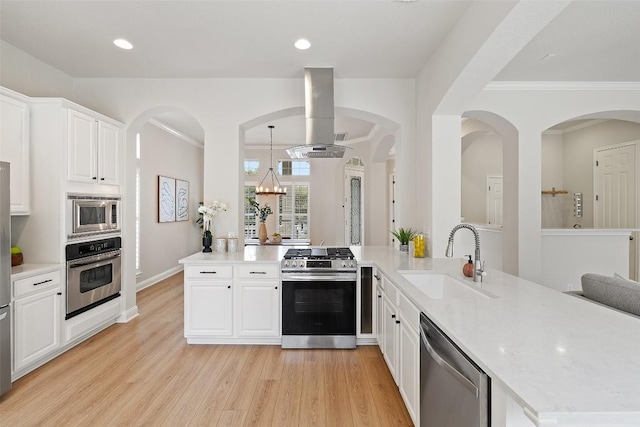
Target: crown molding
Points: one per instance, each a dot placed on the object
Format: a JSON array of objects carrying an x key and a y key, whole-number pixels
[
  {"x": 185, "y": 138},
  {"x": 504, "y": 85}
]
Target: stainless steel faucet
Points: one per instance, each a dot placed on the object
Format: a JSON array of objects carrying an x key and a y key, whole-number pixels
[{"x": 478, "y": 270}]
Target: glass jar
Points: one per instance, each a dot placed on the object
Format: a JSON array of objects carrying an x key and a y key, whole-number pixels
[{"x": 419, "y": 249}]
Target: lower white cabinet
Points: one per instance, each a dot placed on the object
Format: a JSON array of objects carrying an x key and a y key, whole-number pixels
[
  {"x": 37, "y": 318},
  {"x": 399, "y": 340},
  {"x": 390, "y": 335},
  {"x": 226, "y": 303},
  {"x": 409, "y": 367},
  {"x": 208, "y": 308},
  {"x": 258, "y": 309}
]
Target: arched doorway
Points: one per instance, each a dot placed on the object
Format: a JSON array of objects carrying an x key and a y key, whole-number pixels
[{"x": 157, "y": 145}]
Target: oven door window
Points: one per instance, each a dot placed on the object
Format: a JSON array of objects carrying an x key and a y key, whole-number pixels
[
  {"x": 318, "y": 308},
  {"x": 96, "y": 277}
]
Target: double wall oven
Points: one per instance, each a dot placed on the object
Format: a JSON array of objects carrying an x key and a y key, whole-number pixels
[
  {"x": 93, "y": 274},
  {"x": 319, "y": 298}
]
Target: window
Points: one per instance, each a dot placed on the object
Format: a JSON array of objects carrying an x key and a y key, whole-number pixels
[
  {"x": 251, "y": 167},
  {"x": 293, "y": 212},
  {"x": 138, "y": 270},
  {"x": 250, "y": 229},
  {"x": 294, "y": 168}
]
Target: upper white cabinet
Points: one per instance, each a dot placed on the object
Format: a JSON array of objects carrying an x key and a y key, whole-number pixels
[
  {"x": 14, "y": 147},
  {"x": 93, "y": 149}
]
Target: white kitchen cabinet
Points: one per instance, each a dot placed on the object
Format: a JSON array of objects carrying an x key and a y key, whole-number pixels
[
  {"x": 93, "y": 148},
  {"x": 400, "y": 342},
  {"x": 379, "y": 317},
  {"x": 390, "y": 329},
  {"x": 409, "y": 357},
  {"x": 15, "y": 148},
  {"x": 208, "y": 301},
  {"x": 258, "y": 300},
  {"x": 37, "y": 317},
  {"x": 258, "y": 309}
]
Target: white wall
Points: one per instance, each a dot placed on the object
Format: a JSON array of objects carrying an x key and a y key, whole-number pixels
[
  {"x": 527, "y": 108},
  {"x": 553, "y": 215},
  {"x": 163, "y": 244}
]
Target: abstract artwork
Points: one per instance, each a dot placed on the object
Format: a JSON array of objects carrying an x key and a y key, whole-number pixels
[
  {"x": 166, "y": 199},
  {"x": 182, "y": 200}
]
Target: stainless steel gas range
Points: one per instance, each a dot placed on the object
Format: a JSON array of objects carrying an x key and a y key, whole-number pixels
[{"x": 319, "y": 298}]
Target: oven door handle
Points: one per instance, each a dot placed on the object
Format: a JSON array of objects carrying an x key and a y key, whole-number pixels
[
  {"x": 95, "y": 259},
  {"x": 315, "y": 277}
]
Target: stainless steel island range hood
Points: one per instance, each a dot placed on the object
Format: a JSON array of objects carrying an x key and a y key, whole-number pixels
[{"x": 318, "y": 100}]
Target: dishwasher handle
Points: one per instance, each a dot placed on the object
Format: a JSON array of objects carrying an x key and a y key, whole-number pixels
[{"x": 447, "y": 366}]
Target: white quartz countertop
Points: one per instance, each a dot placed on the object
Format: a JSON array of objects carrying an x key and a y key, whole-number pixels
[{"x": 564, "y": 359}]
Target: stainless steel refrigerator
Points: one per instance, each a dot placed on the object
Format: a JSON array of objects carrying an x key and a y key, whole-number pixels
[{"x": 5, "y": 280}]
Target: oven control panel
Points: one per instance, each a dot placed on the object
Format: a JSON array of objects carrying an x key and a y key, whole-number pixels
[{"x": 319, "y": 264}]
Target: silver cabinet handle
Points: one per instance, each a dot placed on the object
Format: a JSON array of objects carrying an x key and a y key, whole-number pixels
[
  {"x": 257, "y": 272},
  {"x": 453, "y": 371},
  {"x": 208, "y": 272},
  {"x": 43, "y": 282}
]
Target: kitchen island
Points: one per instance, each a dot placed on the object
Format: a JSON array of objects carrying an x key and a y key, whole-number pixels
[{"x": 557, "y": 359}]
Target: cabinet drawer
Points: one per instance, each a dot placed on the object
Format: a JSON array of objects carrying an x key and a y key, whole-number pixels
[
  {"x": 37, "y": 283},
  {"x": 258, "y": 271},
  {"x": 410, "y": 312},
  {"x": 208, "y": 271},
  {"x": 390, "y": 290}
]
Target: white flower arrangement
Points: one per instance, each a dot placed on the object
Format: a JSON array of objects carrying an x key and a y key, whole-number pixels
[{"x": 208, "y": 212}]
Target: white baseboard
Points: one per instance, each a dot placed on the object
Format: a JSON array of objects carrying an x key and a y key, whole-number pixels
[
  {"x": 126, "y": 316},
  {"x": 158, "y": 277}
]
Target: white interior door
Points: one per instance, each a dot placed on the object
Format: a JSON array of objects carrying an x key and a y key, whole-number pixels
[
  {"x": 615, "y": 192},
  {"x": 494, "y": 199}
]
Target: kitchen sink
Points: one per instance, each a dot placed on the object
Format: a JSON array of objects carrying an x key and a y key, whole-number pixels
[{"x": 443, "y": 286}]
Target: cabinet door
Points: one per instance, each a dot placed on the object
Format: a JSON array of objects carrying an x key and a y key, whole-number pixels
[
  {"x": 409, "y": 368},
  {"x": 258, "y": 309},
  {"x": 208, "y": 308},
  {"x": 109, "y": 142},
  {"x": 37, "y": 327},
  {"x": 390, "y": 335},
  {"x": 14, "y": 148},
  {"x": 379, "y": 318},
  {"x": 82, "y": 147}
]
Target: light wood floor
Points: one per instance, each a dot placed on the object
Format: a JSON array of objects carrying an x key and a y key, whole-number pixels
[{"x": 144, "y": 373}]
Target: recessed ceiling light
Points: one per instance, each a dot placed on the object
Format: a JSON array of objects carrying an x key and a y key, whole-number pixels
[
  {"x": 123, "y": 44},
  {"x": 302, "y": 44}
]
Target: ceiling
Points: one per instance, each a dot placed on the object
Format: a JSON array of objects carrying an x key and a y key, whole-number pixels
[{"x": 591, "y": 40}]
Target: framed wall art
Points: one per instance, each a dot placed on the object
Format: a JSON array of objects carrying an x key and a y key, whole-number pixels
[
  {"x": 182, "y": 200},
  {"x": 166, "y": 199}
]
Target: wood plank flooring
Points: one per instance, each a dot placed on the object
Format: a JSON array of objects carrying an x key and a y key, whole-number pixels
[{"x": 144, "y": 373}]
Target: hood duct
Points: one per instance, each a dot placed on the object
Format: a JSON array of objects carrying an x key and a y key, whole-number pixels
[{"x": 319, "y": 119}]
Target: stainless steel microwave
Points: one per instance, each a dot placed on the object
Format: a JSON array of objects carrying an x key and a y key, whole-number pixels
[{"x": 93, "y": 214}]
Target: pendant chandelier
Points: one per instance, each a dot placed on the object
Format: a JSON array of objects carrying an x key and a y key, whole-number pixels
[{"x": 270, "y": 186}]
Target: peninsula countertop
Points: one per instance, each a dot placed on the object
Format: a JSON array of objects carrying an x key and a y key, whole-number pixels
[{"x": 565, "y": 360}]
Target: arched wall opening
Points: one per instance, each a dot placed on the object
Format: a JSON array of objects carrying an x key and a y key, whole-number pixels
[
  {"x": 500, "y": 244},
  {"x": 326, "y": 184},
  {"x": 593, "y": 163},
  {"x": 151, "y": 151}
]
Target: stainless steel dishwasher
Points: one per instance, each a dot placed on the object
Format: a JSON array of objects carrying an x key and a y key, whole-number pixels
[{"x": 454, "y": 391}]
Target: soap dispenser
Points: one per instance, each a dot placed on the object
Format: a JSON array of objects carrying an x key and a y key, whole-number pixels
[{"x": 467, "y": 270}]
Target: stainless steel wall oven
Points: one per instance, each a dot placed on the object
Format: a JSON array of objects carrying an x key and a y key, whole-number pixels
[
  {"x": 93, "y": 274},
  {"x": 319, "y": 298}
]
